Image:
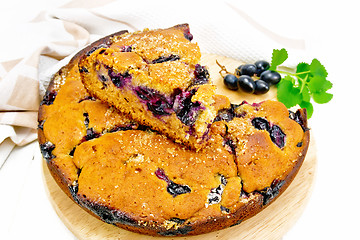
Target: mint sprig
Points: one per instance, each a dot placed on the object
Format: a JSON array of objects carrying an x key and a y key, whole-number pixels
[{"x": 306, "y": 85}]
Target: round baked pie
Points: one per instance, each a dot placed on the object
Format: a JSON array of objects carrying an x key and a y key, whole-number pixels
[{"x": 132, "y": 131}]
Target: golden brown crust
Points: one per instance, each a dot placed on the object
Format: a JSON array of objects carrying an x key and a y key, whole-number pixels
[
  {"x": 150, "y": 75},
  {"x": 128, "y": 175}
]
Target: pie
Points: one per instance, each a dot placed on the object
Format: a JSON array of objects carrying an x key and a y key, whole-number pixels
[{"x": 133, "y": 131}]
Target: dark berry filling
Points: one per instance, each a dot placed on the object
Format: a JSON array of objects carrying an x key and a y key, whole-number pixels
[
  {"x": 119, "y": 79},
  {"x": 161, "y": 175},
  {"x": 276, "y": 134},
  {"x": 41, "y": 124},
  {"x": 201, "y": 75},
  {"x": 244, "y": 194},
  {"x": 231, "y": 145},
  {"x": 86, "y": 120},
  {"x": 90, "y": 98},
  {"x": 176, "y": 189},
  {"x": 188, "y": 35},
  {"x": 83, "y": 70},
  {"x": 228, "y": 114},
  {"x": 93, "y": 49},
  {"x": 46, "y": 150},
  {"x": 224, "y": 209},
  {"x": 179, "y": 102},
  {"x": 173, "y": 188},
  {"x": 185, "y": 109},
  {"x": 255, "y": 105},
  {"x": 166, "y": 59},
  {"x": 124, "y": 128},
  {"x": 271, "y": 192},
  {"x": 126, "y": 49},
  {"x": 49, "y": 98},
  {"x": 178, "y": 220},
  {"x": 102, "y": 78},
  {"x": 237, "y": 223},
  {"x": 297, "y": 117},
  {"x": 215, "y": 194},
  {"x": 91, "y": 134},
  {"x": 72, "y": 152},
  {"x": 261, "y": 123},
  {"x": 74, "y": 188},
  {"x": 156, "y": 102},
  {"x": 159, "y": 107}
]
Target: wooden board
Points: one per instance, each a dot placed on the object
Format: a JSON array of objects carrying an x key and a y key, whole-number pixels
[{"x": 271, "y": 223}]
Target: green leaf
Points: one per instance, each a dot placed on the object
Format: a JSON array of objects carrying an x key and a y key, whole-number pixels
[
  {"x": 287, "y": 93},
  {"x": 278, "y": 57},
  {"x": 309, "y": 108},
  {"x": 322, "y": 97},
  {"x": 317, "y": 69},
  {"x": 306, "y": 94},
  {"x": 302, "y": 67},
  {"x": 319, "y": 84}
]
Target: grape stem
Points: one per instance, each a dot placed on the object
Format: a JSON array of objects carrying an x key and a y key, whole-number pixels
[{"x": 222, "y": 69}]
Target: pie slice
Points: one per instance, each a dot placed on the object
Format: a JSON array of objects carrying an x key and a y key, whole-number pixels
[{"x": 155, "y": 77}]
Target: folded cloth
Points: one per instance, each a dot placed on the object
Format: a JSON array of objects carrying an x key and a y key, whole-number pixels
[{"x": 219, "y": 27}]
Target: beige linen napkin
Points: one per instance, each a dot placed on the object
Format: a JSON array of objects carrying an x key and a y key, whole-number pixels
[{"x": 47, "y": 43}]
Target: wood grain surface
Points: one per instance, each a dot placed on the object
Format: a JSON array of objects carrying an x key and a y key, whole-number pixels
[{"x": 271, "y": 223}]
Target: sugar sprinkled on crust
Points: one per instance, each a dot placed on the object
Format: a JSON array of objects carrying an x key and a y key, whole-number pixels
[{"x": 133, "y": 177}]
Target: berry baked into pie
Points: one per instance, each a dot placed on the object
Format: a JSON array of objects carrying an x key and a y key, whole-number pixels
[
  {"x": 155, "y": 77},
  {"x": 132, "y": 130}
]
